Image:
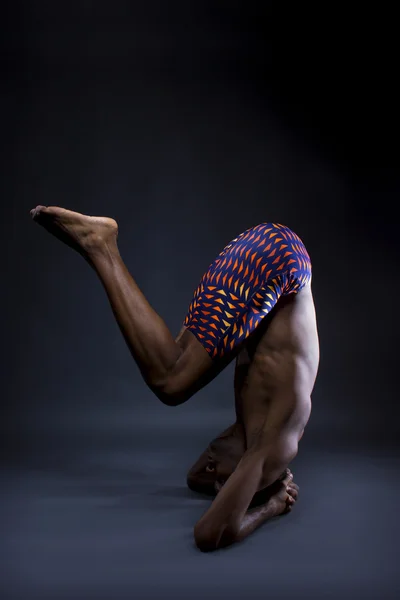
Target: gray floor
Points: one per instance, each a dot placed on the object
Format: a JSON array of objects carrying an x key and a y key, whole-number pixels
[{"x": 107, "y": 515}]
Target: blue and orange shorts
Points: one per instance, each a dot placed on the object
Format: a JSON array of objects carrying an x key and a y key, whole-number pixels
[{"x": 244, "y": 283}]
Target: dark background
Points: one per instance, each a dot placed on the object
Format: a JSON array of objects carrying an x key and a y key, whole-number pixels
[{"x": 189, "y": 122}]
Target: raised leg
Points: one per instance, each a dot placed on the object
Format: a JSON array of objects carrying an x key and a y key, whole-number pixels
[{"x": 173, "y": 369}]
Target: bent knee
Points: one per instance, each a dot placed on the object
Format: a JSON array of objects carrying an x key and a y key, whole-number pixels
[
  {"x": 170, "y": 388},
  {"x": 169, "y": 392},
  {"x": 185, "y": 376}
]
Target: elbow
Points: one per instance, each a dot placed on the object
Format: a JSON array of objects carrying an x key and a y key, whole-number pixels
[
  {"x": 209, "y": 538},
  {"x": 205, "y": 541}
]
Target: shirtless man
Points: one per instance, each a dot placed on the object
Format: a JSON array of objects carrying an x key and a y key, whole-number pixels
[{"x": 255, "y": 304}]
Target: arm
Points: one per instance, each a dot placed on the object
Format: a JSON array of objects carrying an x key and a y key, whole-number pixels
[
  {"x": 271, "y": 502},
  {"x": 221, "y": 523},
  {"x": 228, "y": 519},
  {"x": 253, "y": 518}
]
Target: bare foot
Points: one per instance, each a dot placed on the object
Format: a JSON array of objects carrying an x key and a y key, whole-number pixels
[
  {"x": 285, "y": 496},
  {"x": 87, "y": 235}
]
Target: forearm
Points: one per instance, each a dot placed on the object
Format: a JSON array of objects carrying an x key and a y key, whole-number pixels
[
  {"x": 229, "y": 518},
  {"x": 266, "y": 504},
  {"x": 252, "y": 519}
]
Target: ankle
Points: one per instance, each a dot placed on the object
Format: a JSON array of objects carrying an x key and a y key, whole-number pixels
[{"x": 104, "y": 252}]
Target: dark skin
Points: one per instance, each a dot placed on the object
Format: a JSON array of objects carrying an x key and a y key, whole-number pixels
[
  {"x": 221, "y": 457},
  {"x": 217, "y": 463},
  {"x": 275, "y": 374}
]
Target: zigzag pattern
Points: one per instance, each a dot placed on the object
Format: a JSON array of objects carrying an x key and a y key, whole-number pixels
[{"x": 244, "y": 283}]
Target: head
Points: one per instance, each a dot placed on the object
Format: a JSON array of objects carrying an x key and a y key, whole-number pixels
[
  {"x": 220, "y": 459},
  {"x": 224, "y": 454}
]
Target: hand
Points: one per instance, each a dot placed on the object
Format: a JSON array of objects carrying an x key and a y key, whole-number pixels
[{"x": 283, "y": 490}]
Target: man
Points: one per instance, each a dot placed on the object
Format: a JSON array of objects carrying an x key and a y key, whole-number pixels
[{"x": 254, "y": 304}]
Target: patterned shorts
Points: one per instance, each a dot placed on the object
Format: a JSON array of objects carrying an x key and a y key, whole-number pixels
[{"x": 244, "y": 283}]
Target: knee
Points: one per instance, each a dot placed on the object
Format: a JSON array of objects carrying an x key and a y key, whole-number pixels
[{"x": 169, "y": 391}]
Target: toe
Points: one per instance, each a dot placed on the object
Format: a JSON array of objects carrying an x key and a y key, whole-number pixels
[
  {"x": 35, "y": 212},
  {"x": 289, "y": 502},
  {"x": 288, "y": 478},
  {"x": 284, "y": 475}
]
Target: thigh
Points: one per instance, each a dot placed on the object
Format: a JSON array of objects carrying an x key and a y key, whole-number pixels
[
  {"x": 231, "y": 305},
  {"x": 218, "y": 311},
  {"x": 193, "y": 370}
]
